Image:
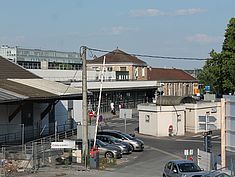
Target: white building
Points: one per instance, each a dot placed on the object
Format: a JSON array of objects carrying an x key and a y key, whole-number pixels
[
  {"x": 196, "y": 115},
  {"x": 156, "y": 120},
  {"x": 41, "y": 59},
  {"x": 183, "y": 117},
  {"x": 34, "y": 106}
]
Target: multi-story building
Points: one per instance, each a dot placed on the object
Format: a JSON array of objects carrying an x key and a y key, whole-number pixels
[
  {"x": 125, "y": 66},
  {"x": 42, "y": 59},
  {"x": 174, "y": 82}
]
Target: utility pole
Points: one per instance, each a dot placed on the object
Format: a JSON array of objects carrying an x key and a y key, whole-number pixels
[
  {"x": 223, "y": 133},
  {"x": 84, "y": 107}
]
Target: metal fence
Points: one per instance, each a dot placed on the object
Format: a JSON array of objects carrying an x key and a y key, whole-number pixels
[
  {"x": 210, "y": 161},
  {"x": 20, "y": 160},
  {"x": 16, "y": 134}
]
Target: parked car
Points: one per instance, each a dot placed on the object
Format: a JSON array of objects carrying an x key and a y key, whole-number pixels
[
  {"x": 182, "y": 168},
  {"x": 124, "y": 146},
  {"x": 108, "y": 150},
  {"x": 136, "y": 144}
]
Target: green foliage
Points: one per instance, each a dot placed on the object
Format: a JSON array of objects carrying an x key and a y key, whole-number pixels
[
  {"x": 219, "y": 70},
  {"x": 107, "y": 163}
]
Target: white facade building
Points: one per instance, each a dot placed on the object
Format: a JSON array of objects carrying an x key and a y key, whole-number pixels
[
  {"x": 41, "y": 59},
  {"x": 155, "y": 120}
]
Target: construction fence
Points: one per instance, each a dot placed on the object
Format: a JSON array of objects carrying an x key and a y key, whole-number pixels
[{"x": 20, "y": 160}]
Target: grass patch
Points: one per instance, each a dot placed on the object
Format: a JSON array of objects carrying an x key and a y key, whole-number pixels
[{"x": 107, "y": 163}]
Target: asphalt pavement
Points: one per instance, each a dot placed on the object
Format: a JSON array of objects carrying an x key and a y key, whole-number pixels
[{"x": 148, "y": 163}]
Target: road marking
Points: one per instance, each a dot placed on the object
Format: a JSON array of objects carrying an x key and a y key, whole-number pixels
[
  {"x": 199, "y": 135},
  {"x": 118, "y": 124},
  {"x": 165, "y": 152},
  {"x": 198, "y": 141},
  {"x": 213, "y": 137}
]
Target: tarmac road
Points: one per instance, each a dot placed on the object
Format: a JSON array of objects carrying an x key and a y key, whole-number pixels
[{"x": 148, "y": 163}]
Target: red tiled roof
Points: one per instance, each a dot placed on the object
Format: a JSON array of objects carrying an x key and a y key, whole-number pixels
[
  {"x": 10, "y": 70},
  {"x": 117, "y": 56},
  {"x": 168, "y": 74}
]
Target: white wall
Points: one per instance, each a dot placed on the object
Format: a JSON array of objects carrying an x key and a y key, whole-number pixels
[
  {"x": 194, "y": 111},
  {"x": 148, "y": 127},
  {"x": 61, "y": 111},
  {"x": 77, "y": 107},
  {"x": 160, "y": 118},
  {"x": 66, "y": 75}
]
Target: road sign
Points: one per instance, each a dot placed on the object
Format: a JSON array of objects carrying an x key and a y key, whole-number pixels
[
  {"x": 61, "y": 145},
  {"x": 91, "y": 114},
  {"x": 125, "y": 113},
  {"x": 191, "y": 152},
  {"x": 186, "y": 152}
]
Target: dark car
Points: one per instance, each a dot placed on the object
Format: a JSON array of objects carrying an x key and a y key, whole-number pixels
[
  {"x": 136, "y": 143},
  {"x": 124, "y": 146},
  {"x": 182, "y": 168}
]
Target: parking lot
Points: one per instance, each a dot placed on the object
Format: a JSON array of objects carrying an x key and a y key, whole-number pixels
[{"x": 147, "y": 163}]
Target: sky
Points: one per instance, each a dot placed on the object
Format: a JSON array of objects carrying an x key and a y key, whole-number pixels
[{"x": 176, "y": 28}]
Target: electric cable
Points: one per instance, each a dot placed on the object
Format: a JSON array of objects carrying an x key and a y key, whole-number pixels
[{"x": 149, "y": 56}]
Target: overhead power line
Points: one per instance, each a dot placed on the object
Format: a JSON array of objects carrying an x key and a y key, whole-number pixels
[{"x": 151, "y": 56}]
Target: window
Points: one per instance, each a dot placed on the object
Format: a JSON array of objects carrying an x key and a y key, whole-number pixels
[
  {"x": 147, "y": 118},
  {"x": 174, "y": 168},
  {"x": 143, "y": 72},
  {"x": 136, "y": 73},
  {"x": 109, "y": 68},
  {"x": 168, "y": 166},
  {"x": 122, "y": 68}
]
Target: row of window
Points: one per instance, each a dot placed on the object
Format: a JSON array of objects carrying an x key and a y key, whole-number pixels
[
  {"x": 47, "y": 54},
  {"x": 59, "y": 66}
]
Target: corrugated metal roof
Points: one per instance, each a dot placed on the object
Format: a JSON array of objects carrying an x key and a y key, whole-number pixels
[
  {"x": 49, "y": 86},
  {"x": 25, "y": 90},
  {"x": 18, "y": 84},
  {"x": 7, "y": 96},
  {"x": 34, "y": 93},
  {"x": 9, "y": 69}
]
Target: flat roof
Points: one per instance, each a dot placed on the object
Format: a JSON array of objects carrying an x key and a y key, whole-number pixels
[
  {"x": 13, "y": 90},
  {"x": 118, "y": 85}
]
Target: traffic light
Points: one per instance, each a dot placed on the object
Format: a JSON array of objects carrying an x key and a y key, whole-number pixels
[
  {"x": 209, "y": 144},
  {"x": 207, "y": 141}
]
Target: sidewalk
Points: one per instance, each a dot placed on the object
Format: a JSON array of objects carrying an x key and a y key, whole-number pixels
[{"x": 109, "y": 115}]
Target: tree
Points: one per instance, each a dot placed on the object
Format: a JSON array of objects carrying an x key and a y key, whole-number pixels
[{"x": 219, "y": 70}]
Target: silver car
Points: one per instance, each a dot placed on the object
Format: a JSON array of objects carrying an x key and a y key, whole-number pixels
[
  {"x": 182, "y": 168},
  {"x": 124, "y": 146},
  {"x": 136, "y": 143},
  {"x": 108, "y": 150}
]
